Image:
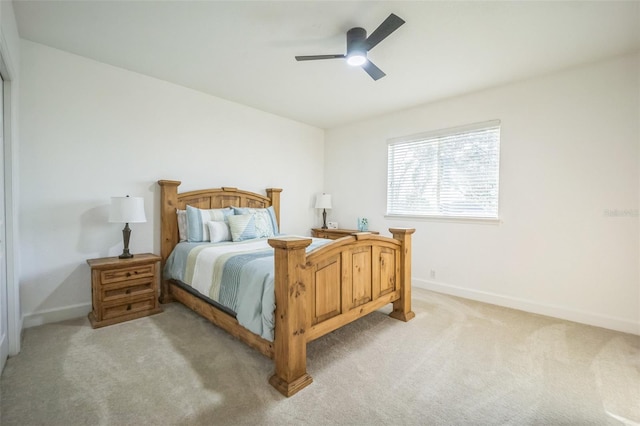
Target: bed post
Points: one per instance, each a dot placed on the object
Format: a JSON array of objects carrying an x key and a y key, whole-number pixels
[
  {"x": 168, "y": 228},
  {"x": 402, "y": 307},
  {"x": 290, "y": 343},
  {"x": 274, "y": 195}
]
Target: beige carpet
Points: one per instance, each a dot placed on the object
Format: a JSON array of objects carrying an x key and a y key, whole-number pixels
[{"x": 457, "y": 363}]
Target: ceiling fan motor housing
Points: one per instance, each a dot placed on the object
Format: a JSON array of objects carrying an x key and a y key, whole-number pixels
[{"x": 356, "y": 38}]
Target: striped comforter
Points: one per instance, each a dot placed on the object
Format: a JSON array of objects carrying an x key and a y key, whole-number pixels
[{"x": 236, "y": 275}]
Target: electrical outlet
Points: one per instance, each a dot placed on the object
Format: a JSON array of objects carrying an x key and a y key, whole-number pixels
[{"x": 433, "y": 274}]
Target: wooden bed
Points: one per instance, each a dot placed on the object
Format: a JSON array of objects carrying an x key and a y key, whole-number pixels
[{"x": 315, "y": 293}]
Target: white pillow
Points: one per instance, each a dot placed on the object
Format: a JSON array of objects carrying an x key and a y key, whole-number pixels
[
  {"x": 219, "y": 231},
  {"x": 182, "y": 224}
]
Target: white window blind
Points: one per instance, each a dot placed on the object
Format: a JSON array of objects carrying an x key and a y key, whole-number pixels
[{"x": 449, "y": 173}]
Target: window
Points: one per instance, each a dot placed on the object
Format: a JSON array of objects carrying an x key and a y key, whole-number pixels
[{"x": 447, "y": 173}]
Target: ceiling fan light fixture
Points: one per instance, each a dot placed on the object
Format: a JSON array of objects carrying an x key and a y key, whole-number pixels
[{"x": 356, "y": 59}]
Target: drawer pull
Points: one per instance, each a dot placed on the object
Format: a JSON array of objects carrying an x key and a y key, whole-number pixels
[{"x": 128, "y": 307}]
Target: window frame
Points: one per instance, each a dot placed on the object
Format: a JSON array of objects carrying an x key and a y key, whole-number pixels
[{"x": 430, "y": 137}]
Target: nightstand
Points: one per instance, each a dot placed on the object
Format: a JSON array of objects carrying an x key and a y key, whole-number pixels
[
  {"x": 124, "y": 289},
  {"x": 334, "y": 234}
]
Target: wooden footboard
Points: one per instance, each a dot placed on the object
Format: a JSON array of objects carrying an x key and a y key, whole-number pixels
[
  {"x": 315, "y": 293},
  {"x": 330, "y": 287}
]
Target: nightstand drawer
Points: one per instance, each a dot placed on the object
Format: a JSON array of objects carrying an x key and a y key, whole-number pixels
[
  {"x": 128, "y": 289},
  {"x": 127, "y": 308},
  {"x": 122, "y": 274}
]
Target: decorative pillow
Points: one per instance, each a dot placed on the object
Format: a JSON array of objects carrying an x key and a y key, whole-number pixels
[
  {"x": 197, "y": 219},
  {"x": 268, "y": 216},
  {"x": 182, "y": 224},
  {"x": 219, "y": 231},
  {"x": 242, "y": 227}
]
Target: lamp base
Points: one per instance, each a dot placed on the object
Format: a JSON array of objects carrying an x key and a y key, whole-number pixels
[
  {"x": 125, "y": 255},
  {"x": 126, "y": 234}
]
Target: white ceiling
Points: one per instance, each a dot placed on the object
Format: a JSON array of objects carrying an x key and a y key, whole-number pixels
[{"x": 244, "y": 51}]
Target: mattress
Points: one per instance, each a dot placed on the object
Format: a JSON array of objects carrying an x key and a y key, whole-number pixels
[{"x": 238, "y": 276}]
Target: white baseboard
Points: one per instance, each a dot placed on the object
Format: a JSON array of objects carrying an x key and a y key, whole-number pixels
[
  {"x": 55, "y": 315},
  {"x": 618, "y": 324},
  {"x": 582, "y": 317}
]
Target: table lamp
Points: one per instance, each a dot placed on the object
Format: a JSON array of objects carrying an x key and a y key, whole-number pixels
[
  {"x": 127, "y": 210},
  {"x": 323, "y": 202}
]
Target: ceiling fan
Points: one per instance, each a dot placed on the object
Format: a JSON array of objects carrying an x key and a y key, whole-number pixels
[{"x": 358, "y": 44}]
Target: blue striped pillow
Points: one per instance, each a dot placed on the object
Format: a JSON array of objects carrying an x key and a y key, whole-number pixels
[{"x": 197, "y": 220}]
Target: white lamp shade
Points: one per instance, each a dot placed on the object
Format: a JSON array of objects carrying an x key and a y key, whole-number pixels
[
  {"x": 127, "y": 210},
  {"x": 323, "y": 201}
]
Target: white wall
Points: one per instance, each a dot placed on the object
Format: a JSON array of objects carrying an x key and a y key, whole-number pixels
[
  {"x": 570, "y": 154},
  {"x": 569, "y": 160},
  {"x": 91, "y": 131}
]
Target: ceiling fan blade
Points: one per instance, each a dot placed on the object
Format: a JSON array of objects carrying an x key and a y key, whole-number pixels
[
  {"x": 392, "y": 23},
  {"x": 375, "y": 72},
  {"x": 315, "y": 57}
]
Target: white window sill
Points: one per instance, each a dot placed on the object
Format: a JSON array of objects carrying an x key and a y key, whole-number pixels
[{"x": 454, "y": 219}]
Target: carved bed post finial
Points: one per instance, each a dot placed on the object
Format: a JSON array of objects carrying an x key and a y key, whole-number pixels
[
  {"x": 402, "y": 307},
  {"x": 290, "y": 343},
  {"x": 168, "y": 228}
]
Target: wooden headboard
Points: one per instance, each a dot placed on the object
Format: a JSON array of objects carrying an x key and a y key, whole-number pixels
[{"x": 213, "y": 198}]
